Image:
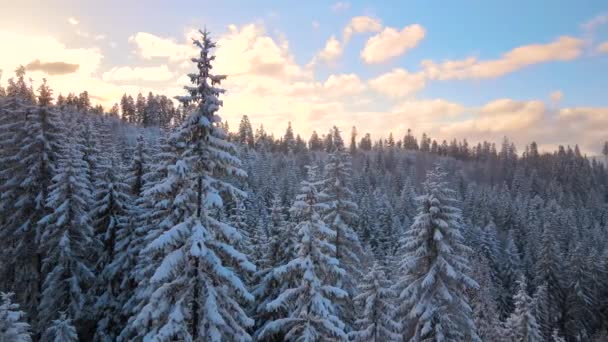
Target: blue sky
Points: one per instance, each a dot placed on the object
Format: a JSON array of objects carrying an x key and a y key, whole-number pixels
[{"x": 529, "y": 70}]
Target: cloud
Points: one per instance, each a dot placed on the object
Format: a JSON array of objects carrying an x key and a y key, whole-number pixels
[
  {"x": 52, "y": 68},
  {"x": 398, "y": 83},
  {"x": 342, "y": 85},
  {"x": 159, "y": 73},
  {"x": 334, "y": 48},
  {"x": 150, "y": 46},
  {"x": 361, "y": 24},
  {"x": 331, "y": 51},
  {"x": 595, "y": 22},
  {"x": 72, "y": 21},
  {"x": 249, "y": 51},
  {"x": 315, "y": 25},
  {"x": 25, "y": 47},
  {"x": 436, "y": 108},
  {"x": 603, "y": 47},
  {"x": 556, "y": 96},
  {"x": 391, "y": 43},
  {"x": 502, "y": 116},
  {"x": 563, "y": 49},
  {"x": 340, "y": 6}
]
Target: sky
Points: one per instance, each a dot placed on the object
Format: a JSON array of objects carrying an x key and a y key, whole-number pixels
[{"x": 480, "y": 70}]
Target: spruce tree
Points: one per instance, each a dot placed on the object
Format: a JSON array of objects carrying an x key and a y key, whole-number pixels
[
  {"x": 375, "y": 302},
  {"x": 66, "y": 238},
  {"x": 341, "y": 213},
  {"x": 13, "y": 327},
  {"x": 196, "y": 291},
  {"x": 522, "y": 325},
  {"x": 310, "y": 297},
  {"x": 434, "y": 269}
]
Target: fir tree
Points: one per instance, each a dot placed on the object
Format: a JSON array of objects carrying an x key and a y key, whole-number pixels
[
  {"x": 434, "y": 269},
  {"x": 196, "y": 292},
  {"x": 13, "y": 328},
  {"x": 375, "y": 302},
  {"x": 61, "y": 330},
  {"x": 522, "y": 325},
  {"x": 310, "y": 297},
  {"x": 66, "y": 237}
]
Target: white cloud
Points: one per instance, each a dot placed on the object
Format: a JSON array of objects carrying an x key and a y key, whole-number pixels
[
  {"x": 398, "y": 83},
  {"x": 331, "y": 51},
  {"x": 603, "y": 47},
  {"x": 502, "y": 116},
  {"x": 248, "y": 50},
  {"x": 556, "y": 96},
  {"x": 361, "y": 24},
  {"x": 563, "y": 49},
  {"x": 315, "y": 25},
  {"x": 150, "y": 45},
  {"x": 159, "y": 73},
  {"x": 340, "y": 6},
  {"x": 391, "y": 43},
  {"x": 334, "y": 48},
  {"x": 72, "y": 21},
  {"x": 345, "y": 84}
]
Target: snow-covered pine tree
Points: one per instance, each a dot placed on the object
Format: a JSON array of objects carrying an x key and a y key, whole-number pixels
[
  {"x": 39, "y": 139},
  {"x": 61, "y": 330},
  {"x": 485, "y": 311},
  {"x": 522, "y": 326},
  {"x": 434, "y": 269},
  {"x": 139, "y": 167},
  {"x": 375, "y": 304},
  {"x": 13, "y": 327},
  {"x": 110, "y": 212},
  {"x": 66, "y": 237},
  {"x": 341, "y": 214},
  {"x": 278, "y": 249},
  {"x": 197, "y": 288},
  {"x": 310, "y": 299},
  {"x": 147, "y": 222}
]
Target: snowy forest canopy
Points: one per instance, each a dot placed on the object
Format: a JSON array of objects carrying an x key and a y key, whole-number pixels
[{"x": 154, "y": 222}]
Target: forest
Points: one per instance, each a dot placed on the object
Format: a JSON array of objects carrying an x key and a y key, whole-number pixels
[{"x": 154, "y": 221}]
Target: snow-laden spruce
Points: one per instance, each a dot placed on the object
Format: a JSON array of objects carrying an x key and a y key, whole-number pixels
[
  {"x": 310, "y": 298},
  {"x": 341, "y": 212},
  {"x": 278, "y": 249},
  {"x": 375, "y": 303},
  {"x": 110, "y": 213},
  {"x": 522, "y": 325},
  {"x": 434, "y": 269},
  {"x": 196, "y": 292},
  {"x": 66, "y": 237},
  {"x": 13, "y": 327},
  {"x": 61, "y": 330},
  {"x": 39, "y": 137}
]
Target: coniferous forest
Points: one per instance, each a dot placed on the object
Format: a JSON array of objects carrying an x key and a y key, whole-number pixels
[{"x": 154, "y": 221}]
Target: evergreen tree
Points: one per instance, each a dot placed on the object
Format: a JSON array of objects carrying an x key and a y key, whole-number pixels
[
  {"x": 375, "y": 302},
  {"x": 40, "y": 139},
  {"x": 278, "y": 249},
  {"x": 61, "y": 330},
  {"x": 196, "y": 290},
  {"x": 138, "y": 167},
  {"x": 110, "y": 212},
  {"x": 434, "y": 269},
  {"x": 66, "y": 237},
  {"x": 12, "y": 325},
  {"x": 310, "y": 298},
  {"x": 341, "y": 212},
  {"x": 245, "y": 133},
  {"x": 522, "y": 325}
]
